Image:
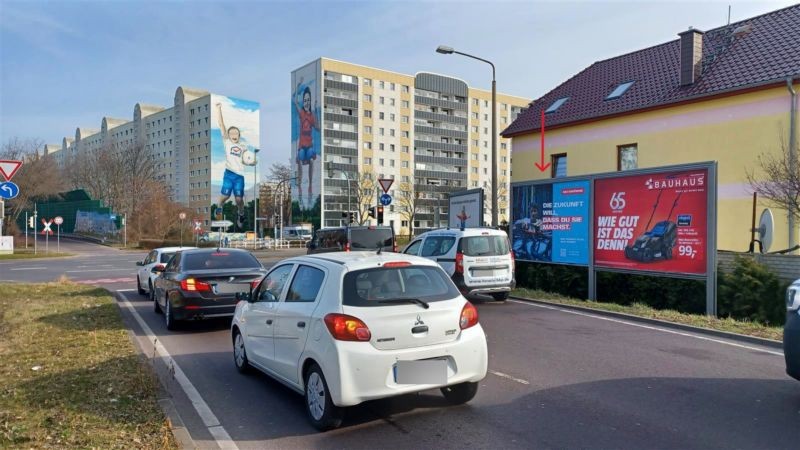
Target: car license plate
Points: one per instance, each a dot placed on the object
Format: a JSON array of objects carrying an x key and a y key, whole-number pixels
[
  {"x": 426, "y": 371},
  {"x": 483, "y": 273},
  {"x": 230, "y": 288}
]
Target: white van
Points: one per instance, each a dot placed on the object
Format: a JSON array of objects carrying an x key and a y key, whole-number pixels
[
  {"x": 479, "y": 260},
  {"x": 296, "y": 233}
]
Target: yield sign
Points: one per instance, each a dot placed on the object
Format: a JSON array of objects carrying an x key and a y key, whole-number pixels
[
  {"x": 9, "y": 167},
  {"x": 46, "y": 229},
  {"x": 386, "y": 183}
]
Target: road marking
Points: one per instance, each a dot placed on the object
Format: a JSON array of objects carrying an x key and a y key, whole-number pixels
[
  {"x": 211, "y": 422},
  {"x": 509, "y": 377},
  {"x": 106, "y": 281},
  {"x": 28, "y": 268},
  {"x": 96, "y": 270},
  {"x": 648, "y": 327}
]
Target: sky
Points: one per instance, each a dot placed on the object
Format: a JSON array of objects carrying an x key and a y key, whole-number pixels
[{"x": 65, "y": 64}]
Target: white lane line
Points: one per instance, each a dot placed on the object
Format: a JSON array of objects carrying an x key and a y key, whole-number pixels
[
  {"x": 509, "y": 377},
  {"x": 648, "y": 327},
  {"x": 96, "y": 270},
  {"x": 28, "y": 268},
  {"x": 211, "y": 422}
]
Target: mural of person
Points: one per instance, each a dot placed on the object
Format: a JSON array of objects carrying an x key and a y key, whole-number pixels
[
  {"x": 306, "y": 153},
  {"x": 233, "y": 179}
]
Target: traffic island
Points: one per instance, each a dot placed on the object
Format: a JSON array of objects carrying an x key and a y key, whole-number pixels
[{"x": 69, "y": 374}]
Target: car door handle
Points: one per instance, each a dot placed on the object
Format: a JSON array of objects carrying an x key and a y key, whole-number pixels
[
  {"x": 301, "y": 324},
  {"x": 269, "y": 321}
]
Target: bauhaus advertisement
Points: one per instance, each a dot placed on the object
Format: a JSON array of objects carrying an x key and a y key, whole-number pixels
[
  {"x": 307, "y": 160},
  {"x": 551, "y": 222},
  {"x": 466, "y": 209},
  {"x": 654, "y": 222},
  {"x": 234, "y": 128}
]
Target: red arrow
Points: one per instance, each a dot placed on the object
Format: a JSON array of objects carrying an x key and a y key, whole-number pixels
[{"x": 541, "y": 165}]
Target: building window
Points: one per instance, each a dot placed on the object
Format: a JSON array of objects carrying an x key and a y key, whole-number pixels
[
  {"x": 380, "y": 115},
  {"x": 503, "y": 146},
  {"x": 405, "y": 149},
  {"x": 391, "y": 102},
  {"x": 380, "y": 146},
  {"x": 405, "y": 89},
  {"x": 555, "y": 105},
  {"x": 619, "y": 90},
  {"x": 404, "y": 134},
  {"x": 380, "y": 161},
  {"x": 475, "y": 101},
  {"x": 391, "y": 86},
  {"x": 367, "y": 129},
  {"x": 391, "y": 131},
  {"x": 391, "y": 117},
  {"x": 404, "y": 119},
  {"x": 474, "y": 184},
  {"x": 368, "y": 145},
  {"x": 485, "y": 157},
  {"x": 367, "y": 113},
  {"x": 382, "y": 100},
  {"x": 474, "y": 156},
  {"x": 367, "y": 82},
  {"x": 559, "y": 165},
  {"x": 404, "y": 164},
  {"x": 485, "y": 117},
  {"x": 381, "y": 84},
  {"x": 474, "y": 170},
  {"x": 474, "y": 129},
  {"x": 404, "y": 104},
  {"x": 391, "y": 146},
  {"x": 367, "y": 97},
  {"x": 475, "y": 115},
  {"x": 627, "y": 157},
  {"x": 368, "y": 161},
  {"x": 381, "y": 131},
  {"x": 391, "y": 163}
]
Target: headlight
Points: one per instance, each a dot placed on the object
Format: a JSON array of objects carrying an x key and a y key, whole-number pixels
[{"x": 792, "y": 299}]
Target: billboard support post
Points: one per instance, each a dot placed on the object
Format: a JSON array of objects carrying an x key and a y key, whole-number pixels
[
  {"x": 592, "y": 282},
  {"x": 711, "y": 261}
]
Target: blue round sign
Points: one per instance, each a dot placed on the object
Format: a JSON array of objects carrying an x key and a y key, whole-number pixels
[
  {"x": 8, "y": 190},
  {"x": 386, "y": 199}
]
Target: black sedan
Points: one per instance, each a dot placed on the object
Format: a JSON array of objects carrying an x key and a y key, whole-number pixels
[
  {"x": 202, "y": 283},
  {"x": 791, "y": 330}
]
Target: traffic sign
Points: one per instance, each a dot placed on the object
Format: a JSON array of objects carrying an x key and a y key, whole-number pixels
[
  {"x": 46, "y": 230},
  {"x": 221, "y": 223},
  {"x": 386, "y": 183},
  {"x": 8, "y": 167},
  {"x": 8, "y": 190},
  {"x": 386, "y": 199},
  {"x": 182, "y": 216},
  {"x": 58, "y": 220}
]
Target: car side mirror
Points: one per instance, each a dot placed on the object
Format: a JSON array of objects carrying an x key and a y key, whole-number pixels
[
  {"x": 139, "y": 263},
  {"x": 244, "y": 296},
  {"x": 158, "y": 268}
]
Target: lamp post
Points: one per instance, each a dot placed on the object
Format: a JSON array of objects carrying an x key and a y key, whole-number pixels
[
  {"x": 255, "y": 198},
  {"x": 445, "y": 50},
  {"x": 275, "y": 198},
  {"x": 329, "y": 168}
]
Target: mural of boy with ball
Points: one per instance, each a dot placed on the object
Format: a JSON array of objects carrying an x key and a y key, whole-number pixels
[{"x": 237, "y": 155}]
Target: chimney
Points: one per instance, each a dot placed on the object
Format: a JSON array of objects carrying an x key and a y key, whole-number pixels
[{"x": 691, "y": 55}]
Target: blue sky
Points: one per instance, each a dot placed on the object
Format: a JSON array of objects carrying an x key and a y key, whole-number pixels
[{"x": 68, "y": 63}]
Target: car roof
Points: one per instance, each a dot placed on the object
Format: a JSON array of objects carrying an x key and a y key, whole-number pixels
[
  {"x": 466, "y": 232},
  {"x": 361, "y": 260},
  {"x": 213, "y": 250},
  {"x": 173, "y": 249}
]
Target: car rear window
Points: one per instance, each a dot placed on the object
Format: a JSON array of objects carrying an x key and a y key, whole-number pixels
[
  {"x": 219, "y": 260},
  {"x": 484, "y": 246},
  {"x": 368, "y": 287},
  {"x": 366, "y": 238},
  {"x": 438, "y": 245},
  {"x": 165, "y": 257}
]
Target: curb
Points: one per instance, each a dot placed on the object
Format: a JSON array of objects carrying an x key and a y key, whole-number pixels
[
  {"x": 179, "y": 431},
  {"x": 662, "y": 323}
]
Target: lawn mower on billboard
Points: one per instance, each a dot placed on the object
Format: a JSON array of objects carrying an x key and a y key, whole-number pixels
[{"x": 658, "y": 242}]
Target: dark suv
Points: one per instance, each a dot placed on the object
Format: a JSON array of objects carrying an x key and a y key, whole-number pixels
[{"x": 352, "y": 239}]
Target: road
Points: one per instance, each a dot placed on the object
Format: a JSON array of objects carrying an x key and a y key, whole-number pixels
[{"x": 558, "y": 379}]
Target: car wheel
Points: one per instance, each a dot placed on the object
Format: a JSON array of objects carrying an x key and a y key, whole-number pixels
[
  {"x": 156, "y": 306},
  {"x": 240, "y": 354},
  {"x": 150, "y": 292},
  {"x": 322, "y": 413},
  {"x": 168, "y": 318},
  {"x": 668, "y": 253},
  {"x": 139, "y": 286},
  {"x": 647, "y": 255},
  {"x": 460, "y": 393},
  {"x": 500, "y": 296}
]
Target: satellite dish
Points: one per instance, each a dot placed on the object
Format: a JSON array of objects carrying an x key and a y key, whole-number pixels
[{"x": 766, "y": 228}]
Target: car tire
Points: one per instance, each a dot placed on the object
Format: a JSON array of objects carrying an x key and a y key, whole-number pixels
[
  {"x": 156, "y": 306},
  {"x": 172, "y": 324},
  {"x": 668, "y": 252},
  {"x": 139, "y": 286},
  {"x": 500, "y": 296},
  {"x": 321, "y": 411},
  {"x": 240, "y": 354},
  {"x": 458, "y": 394},
  {"x": 150, "y": 292}
]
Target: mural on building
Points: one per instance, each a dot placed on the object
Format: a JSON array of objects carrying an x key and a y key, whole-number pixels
[{"x": 307, "y": 156}]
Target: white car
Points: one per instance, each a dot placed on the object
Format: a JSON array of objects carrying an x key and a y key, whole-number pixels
[
  {"x": 343, "y": 328},
  {"x": 479, "y": 260},
  {"x": 145, "y": 278}
]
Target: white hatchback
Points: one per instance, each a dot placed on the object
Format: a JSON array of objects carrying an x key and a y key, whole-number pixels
[
  {"x": 145, "y": 278},
  {"x": 344, "y": 328}
]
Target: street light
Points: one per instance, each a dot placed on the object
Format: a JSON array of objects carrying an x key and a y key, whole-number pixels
[
  {"x": 275, "y": 200},
  {"x": 255, "y": 198},
  {"x": 330, "y": 168},
  {"x": 445, "y": 50}
]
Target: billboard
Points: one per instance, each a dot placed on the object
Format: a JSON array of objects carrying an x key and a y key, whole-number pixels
[
  {"x": 234, "y": 139},
  {"x": 551, "y": 222},
  {"x": 654, "y": 222},
  {"x": 466, "y": 209},
  {"x": 307, "y": 158}
]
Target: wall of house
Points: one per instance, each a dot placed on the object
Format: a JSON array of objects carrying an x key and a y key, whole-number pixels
[{"x": 733, "y": 131}]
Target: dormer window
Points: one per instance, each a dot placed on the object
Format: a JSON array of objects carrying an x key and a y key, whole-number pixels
[
  {"x": 619, "y": 90},
  {"x": 556, "y": 104}
]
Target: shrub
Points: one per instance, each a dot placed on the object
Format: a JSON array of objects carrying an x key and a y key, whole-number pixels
[{"x": 751, "y": 291}]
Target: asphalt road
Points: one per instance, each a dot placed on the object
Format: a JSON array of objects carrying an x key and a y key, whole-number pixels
[{"x": 558, "y": 379}]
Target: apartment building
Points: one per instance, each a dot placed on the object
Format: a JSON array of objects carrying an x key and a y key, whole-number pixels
[
  {"x": 185, "y": 141},
  {"x": 430, "y": 133}
]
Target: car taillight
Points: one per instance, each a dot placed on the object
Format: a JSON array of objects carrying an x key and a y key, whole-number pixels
[
  {"x": 459, "y": 262},
  {"x": 513, "y": 261},
  {"x": 347, "y": 328},
  {"x": 397, "y": 264},
  {"x": 192, "y": 285},
  {"x": 254, "y": 284},
  {"x": 469, "y": 316},
  {"x": 160, "y": 266},
  {"x": 347, "y": 246}
]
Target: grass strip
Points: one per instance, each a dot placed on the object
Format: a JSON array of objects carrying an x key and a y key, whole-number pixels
[
  {"x": 30, "y": 255},
  {"x": 745, "y": 327},
  {"x": 70, "y": 376}
]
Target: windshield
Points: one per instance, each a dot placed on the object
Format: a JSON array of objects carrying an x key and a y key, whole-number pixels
[
  {"x": 165, "y": 257},
  {"x": 220, "y": 260},
  {"x": 304, "y": 232},
  {"x": 368, "y": 287},
  {"x": 370, "y": 238},
  {"x": 484, "y": 245}
]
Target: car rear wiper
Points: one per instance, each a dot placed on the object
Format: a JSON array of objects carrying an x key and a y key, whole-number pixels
[{"x": 406, "y": 300}]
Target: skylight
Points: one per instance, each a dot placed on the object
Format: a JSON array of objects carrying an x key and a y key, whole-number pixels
[
  {"x": 556, "y": 104},
  {"x": 619, "y": 90}
]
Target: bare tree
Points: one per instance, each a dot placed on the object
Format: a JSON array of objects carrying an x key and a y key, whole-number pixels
[
  {"x": 37, "y": 178},
  {"x": 502, "y": 200},
  {"x": 408, "y": 204},
  {"x": 365, "y": 192},
  {"x": 278, "y": 171},
  {"x": 779, "y": 180}
]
